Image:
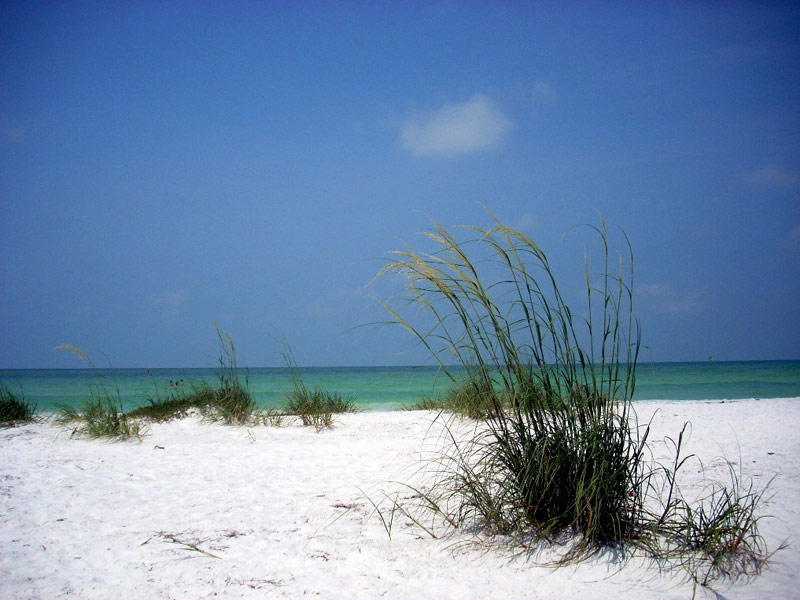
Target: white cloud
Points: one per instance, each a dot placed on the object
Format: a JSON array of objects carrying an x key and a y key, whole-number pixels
[
  {"x": 665, "y": 298},
  {"x": 455, "y": 129},
  {"x": 772, "y": 176}
]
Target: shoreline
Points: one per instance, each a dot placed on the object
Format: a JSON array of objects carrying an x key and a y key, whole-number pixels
[
  {"x": 49, "y": 412},
  {"x": 287, "y": 511}
]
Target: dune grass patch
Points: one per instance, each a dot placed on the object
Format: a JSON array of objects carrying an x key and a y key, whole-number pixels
[
  {"x": 314, "y": 406},
  {"x": 426, "y": 403},
  {"x": 559, "y": 453},
  {"x": 232, "y": 401},
  {"x": 102, "y": 414},
  {"x": 229, "y": 401},
  {"x": 101, "y": 417},
  {"x": 471, "y": 397},
  {"x": 14, "y": 409},
  {"x": 178, "y": 404}
]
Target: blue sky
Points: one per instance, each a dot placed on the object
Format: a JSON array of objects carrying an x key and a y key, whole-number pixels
[{"x": 167, "y": 165}]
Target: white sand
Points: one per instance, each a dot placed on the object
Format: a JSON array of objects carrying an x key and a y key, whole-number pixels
[{"x": 92, "y": 519}]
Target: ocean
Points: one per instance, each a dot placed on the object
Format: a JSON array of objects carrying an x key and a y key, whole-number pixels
[{"x": 391, "y": 388}]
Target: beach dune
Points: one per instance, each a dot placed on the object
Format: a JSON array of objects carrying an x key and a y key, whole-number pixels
[{"x": 199, "y": 510}]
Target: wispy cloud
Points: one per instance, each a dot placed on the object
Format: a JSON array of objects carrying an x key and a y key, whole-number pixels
[
  {"x": 665, "y": 298},
  {"x": 772, "y": 176},
  {"x": 456, "y": 129}
]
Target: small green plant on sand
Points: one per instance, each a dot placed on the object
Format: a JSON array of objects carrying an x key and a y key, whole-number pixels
[
  {"x": 559, "y": 451},
  {"x": 13, "y": 408},
  {"x": 102, "y": 414},
  {"x": 716, "y": 535},
  {"x": 270, "y": 417}
]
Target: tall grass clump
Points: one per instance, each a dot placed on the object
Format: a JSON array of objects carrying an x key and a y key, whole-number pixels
[
  {"x": 554, "y": 387},
  {"x": 13, "y": 408},
  {"x": 102, "y": 414},
  {"x": 231, "y": 400},
  {"x": 561, "y": 452},
  {"x": 313, "y": 406}
]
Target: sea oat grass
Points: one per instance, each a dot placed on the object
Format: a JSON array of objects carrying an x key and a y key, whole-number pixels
[
  {"x": 474, "y": 398},
  {"x": 316, "y": 407},
  {"x": 232, "y": 401},
  {"x": 233, "y": 404},
  {"x": 559, "y": 451},
  {"x": 229, "y": 401},
  {"x": 101, "y": 415},
  {"x": 559, "y": 456},
  {"x": 13, "y": 408},
  {"x": 313, "y": 406},
  {"x": 717, "y": 536},
  {"x": 177, "y": 405}
]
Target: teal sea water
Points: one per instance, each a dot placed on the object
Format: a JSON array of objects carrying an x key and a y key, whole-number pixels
[{"x": 390, "y": 388}]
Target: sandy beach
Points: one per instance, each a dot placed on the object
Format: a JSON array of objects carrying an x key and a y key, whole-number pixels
[{"x": 200, "y": 510}]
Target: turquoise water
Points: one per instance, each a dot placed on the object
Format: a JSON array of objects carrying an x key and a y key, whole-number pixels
[{"x": 389, "y": 388}]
